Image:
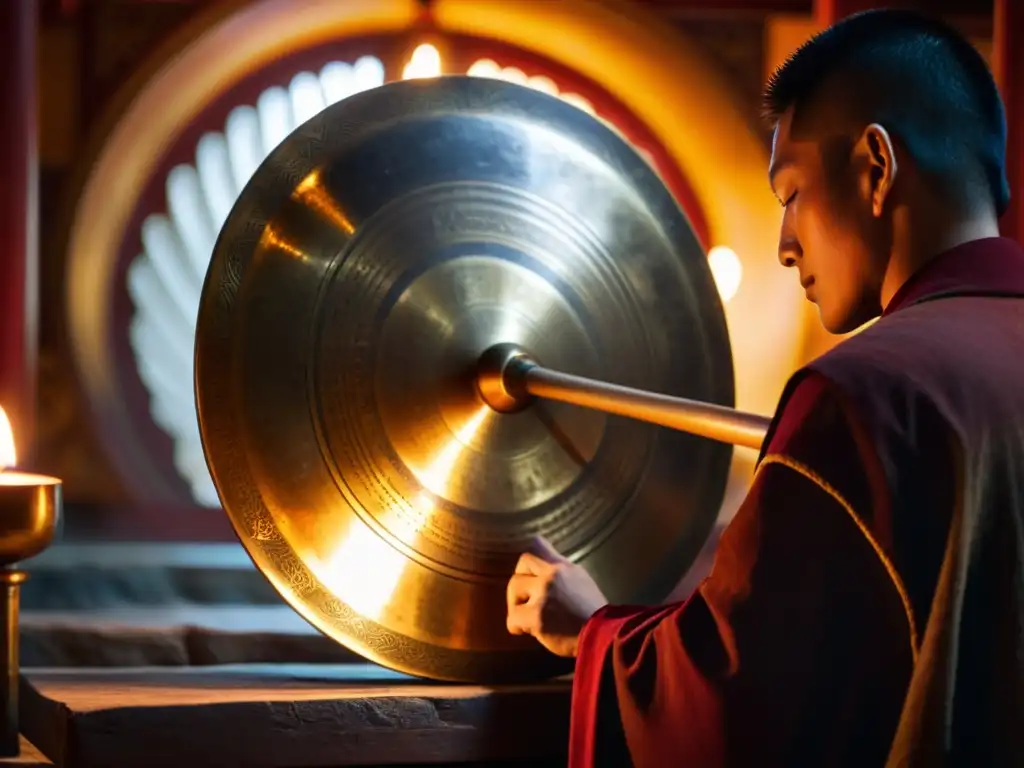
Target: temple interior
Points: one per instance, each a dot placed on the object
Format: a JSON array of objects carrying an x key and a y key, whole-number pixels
[{"x": 147, "y": 635}]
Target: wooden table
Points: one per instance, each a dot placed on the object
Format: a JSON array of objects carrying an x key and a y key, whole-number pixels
[{"x": 280, "y": 715}]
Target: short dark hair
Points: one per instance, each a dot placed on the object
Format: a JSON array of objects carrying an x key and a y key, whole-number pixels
[{"x": 916, "y": 76}]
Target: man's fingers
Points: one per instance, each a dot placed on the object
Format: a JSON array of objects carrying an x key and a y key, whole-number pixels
[
  {"x": 531, "y": 565},
  {"x": 540, "y": 558},
  {"x": 525, "y": 595},
  {"x": 523, "y": 619},
  {"x": 520, "y": 589},
  {"x": 541, "y": 548},
  {"x": 514, "y": 622}
]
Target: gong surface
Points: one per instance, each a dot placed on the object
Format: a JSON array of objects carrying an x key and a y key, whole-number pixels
[{"x": 373, "y": 257}]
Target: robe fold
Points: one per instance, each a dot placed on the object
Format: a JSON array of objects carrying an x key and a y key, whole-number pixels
[{"x": 866, "y": 603}]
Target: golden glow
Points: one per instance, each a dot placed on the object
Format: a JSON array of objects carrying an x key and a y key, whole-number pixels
[
  {"x": 312, "y": 192},
  {"x": 425, "y": 62},
  {"x": 271, "y": 238},
  {"x": 436, "y": 475},
  {"x": 672, "y": 88},
  {"x": 216, "y": 48},
  {"x": 665, "y": 80},
  {"x": 364, "y": 570},
  {"x": 727, "y": 270},
  {"x": 8, "y": 455}
]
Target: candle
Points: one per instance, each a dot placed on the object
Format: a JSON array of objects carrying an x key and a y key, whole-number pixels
[{"x": 30, "y": 507}]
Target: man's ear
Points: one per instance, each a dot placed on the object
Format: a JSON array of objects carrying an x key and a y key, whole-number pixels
[{"x": 877, "y": 157}]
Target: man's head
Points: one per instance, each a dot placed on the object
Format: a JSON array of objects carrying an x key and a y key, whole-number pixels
[{"x": 886, "y": 124}]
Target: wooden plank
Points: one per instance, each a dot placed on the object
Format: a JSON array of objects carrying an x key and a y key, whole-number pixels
[
  {"x": 730, "y": 8},
  {"x": 287, "y": 715}
]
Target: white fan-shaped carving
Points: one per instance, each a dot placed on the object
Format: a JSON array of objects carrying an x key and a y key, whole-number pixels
[
  {"x": 492, "y": 69},
  {"x": 166, "y": 279}
]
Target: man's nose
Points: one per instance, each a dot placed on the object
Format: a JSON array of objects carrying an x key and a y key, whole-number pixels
[{"x": 789, "y": 252}]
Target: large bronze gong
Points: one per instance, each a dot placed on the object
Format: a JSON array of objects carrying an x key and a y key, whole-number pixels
[{"x": 397, "y": 278}]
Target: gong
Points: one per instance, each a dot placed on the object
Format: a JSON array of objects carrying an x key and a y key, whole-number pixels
[{"x": 395, "y": 280}]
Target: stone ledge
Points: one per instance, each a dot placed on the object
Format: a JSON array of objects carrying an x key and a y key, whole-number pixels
[
  {"x": 72, "y": 646},
  {"x": 30, "y": 757},
  {"x": 181, "y": 635},
  {"x": 284, "y": 716},
  {"x": 101, "y": 576}
]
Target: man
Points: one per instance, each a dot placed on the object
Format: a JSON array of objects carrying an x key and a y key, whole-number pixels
[{"x": 866, "y": 606}]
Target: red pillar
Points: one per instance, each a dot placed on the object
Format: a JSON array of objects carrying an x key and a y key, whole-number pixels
[
  {"x": 828, "y": 12},
  {"x": 1008, "y": 64},
  {"x": 19, "y": 233}
]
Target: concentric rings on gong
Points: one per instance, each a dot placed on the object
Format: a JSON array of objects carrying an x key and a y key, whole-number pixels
[
  {"x": 376, "y": 254},
  {"x": 404, "y": 428}
]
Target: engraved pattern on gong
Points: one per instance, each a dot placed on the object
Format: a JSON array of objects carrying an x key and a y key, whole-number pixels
[
  {"x": 240, "y": 495},
  {"x": 681, "y": 324},
  {"x": 372, "y": 279}
]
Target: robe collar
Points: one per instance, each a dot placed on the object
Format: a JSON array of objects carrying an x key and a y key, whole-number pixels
[{"x": 991, "y": 266}]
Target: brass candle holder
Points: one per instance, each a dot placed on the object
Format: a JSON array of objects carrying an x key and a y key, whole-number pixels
[{"x": 30, "y": 511}]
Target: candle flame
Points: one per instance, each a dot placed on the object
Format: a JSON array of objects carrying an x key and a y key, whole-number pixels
[{"x": 8, "y": 456}]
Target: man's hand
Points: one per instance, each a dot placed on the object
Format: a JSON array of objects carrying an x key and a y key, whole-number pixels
[{"x": 551, "y": 599}]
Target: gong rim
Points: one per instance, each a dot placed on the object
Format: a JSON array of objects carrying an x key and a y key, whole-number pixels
[{"x": 255, "y": 509}]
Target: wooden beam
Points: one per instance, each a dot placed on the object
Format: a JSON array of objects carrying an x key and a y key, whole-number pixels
[
  {"x": 836, "y": 9},
  {"x": 730, "y": 7},
  {"x": 1008, "y": 65}
]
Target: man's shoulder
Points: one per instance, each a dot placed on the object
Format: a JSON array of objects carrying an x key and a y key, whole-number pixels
[
  {"x": 865, "y": 360},
  {"x": 881, "y": 383},
  {"x": 866, "y": 378},
  {"x": 928, "y": 345},
  {"x": 884, "y": 354}
]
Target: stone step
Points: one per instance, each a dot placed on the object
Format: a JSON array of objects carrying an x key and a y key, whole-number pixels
[
  {"x": 95, "y": 576},
  {"x": 99, "y": 576},
  {"x": 179, "y": 635},
  {"x": 30, "y": 757},
  {"x": 288, "y": 716}
]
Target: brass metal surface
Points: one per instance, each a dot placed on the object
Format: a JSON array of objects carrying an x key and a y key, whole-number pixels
[
  {"x": 377, "y": 253},
  {"x": 30, "y": 512},
  {"x": 30, "y": 515},
  {"x": 10, "y": 587},
  {"x": 715, "y": 422},
  {"x": 508, "y": 380}
]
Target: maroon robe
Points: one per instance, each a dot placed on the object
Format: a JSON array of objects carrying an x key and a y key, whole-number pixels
[{"x": 866, "y": 605}]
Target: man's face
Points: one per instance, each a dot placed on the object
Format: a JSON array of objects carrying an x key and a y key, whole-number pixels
[{"x": 827, "y": 228}]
